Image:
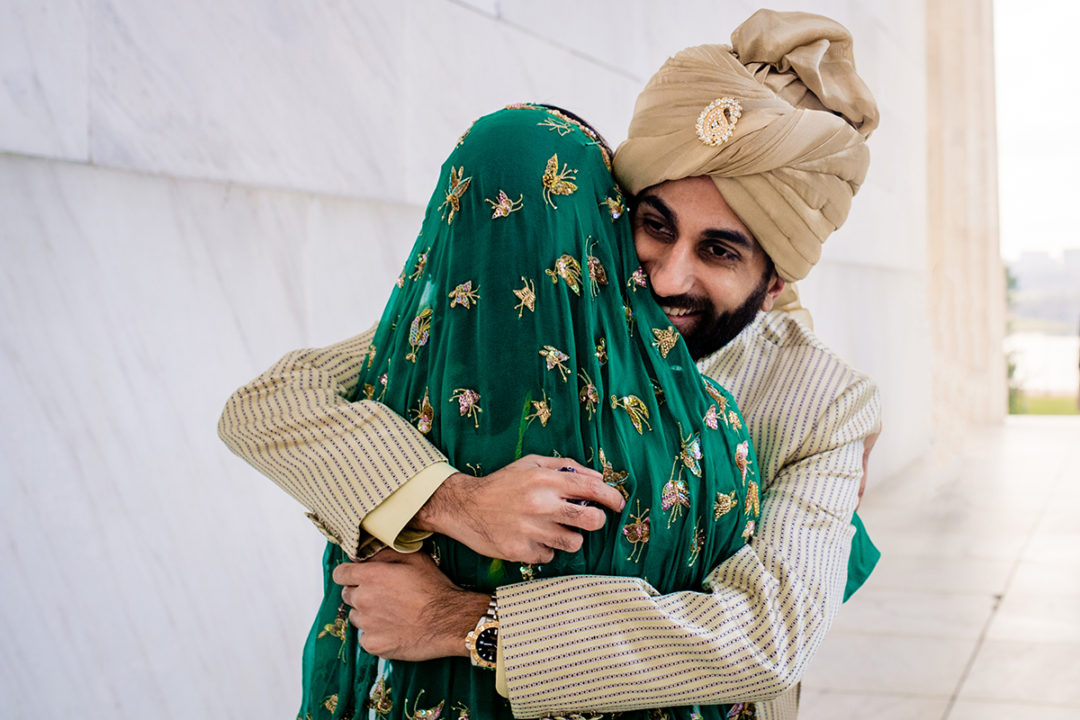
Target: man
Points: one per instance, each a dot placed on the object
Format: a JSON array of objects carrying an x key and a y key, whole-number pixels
[{"x": 741, "y": 162}]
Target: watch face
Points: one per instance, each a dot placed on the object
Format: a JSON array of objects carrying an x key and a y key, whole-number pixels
[{"x": 487, "y": 643}]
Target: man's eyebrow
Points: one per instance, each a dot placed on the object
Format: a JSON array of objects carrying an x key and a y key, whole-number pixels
[
  {"x": 732, "y": 236},
  {"x": 659, "y": 206}
]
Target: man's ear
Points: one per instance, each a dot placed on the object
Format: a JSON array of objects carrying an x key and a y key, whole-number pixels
[{"x": 776, "y": 286}]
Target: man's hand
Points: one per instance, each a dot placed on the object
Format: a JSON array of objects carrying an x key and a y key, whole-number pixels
[
  {"x": 406, "y": 608},
  {"x": 523, "y": 512}
]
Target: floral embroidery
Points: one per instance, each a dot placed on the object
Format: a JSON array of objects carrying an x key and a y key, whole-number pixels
[
  {"x": 588, "y": 395},
  {"x": 665, "y": 340},
  {"x": 527, "y": 295},
  {"x": 697, "y": 544},
  {"x": 635, "y": 408},
  {"x": 614, "y": 478},
  {"x": 554, "y": 358},
  {"x": 614, "y": 205},
  {"x": 711, "y": 417},
  {"x": 724, "y": 504},
  {"x": 636, "y": 532},
  {"x": 541, "y": 411},
  {"x": 638, "y": 279},
  {"x": 425, "y": 414},
  {"x": 468, "y": 404},
  {"x": 382, "y": 381},
  {"x": 504, "y": 206},
  {"x": 742, "y": 458},
  {"x": 464, "y": 295},
  {"x": 421, "y": 263},
  {"x": 557, "y": 182},
  {"x": 454, "y": 190},
  {"x": 432, "y": 713},
  {"x": 569, "y": 269},
  {"x": 419, "y": 333},
  {"x": 601, "y": 351},
  {"x": 379, "y": 700}
]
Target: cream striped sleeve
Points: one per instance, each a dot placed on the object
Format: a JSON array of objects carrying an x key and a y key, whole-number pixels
[
  {"x": 341, "y": 460},
  {"x": 608, "y": 644}
]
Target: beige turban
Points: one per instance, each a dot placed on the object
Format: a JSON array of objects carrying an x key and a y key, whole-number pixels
[{"x": 796, "y": 153}]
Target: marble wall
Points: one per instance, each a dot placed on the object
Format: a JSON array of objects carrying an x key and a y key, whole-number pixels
[{"x": 189, "y": 190}]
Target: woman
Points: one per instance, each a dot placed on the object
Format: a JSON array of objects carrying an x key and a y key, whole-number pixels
[{"x": 522, "y": 323}]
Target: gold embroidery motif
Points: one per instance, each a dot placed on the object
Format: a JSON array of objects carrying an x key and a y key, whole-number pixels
[
  {"x": 658, "y": 714},
  {"x": 369, "y": 391},
  {"x": 557, "y": 182},
  {"x": 675, "y": 495},
  {"x": 742, "y": 458},
  {"x": 638, "y": 279},
  {"x": 614, "y": 478},
  {"x": 615, "y": 206},
  {"x": 468, "y": 404},
  {"x": 541, "y": 411},
  {"x": 554, "y": 358},
  {"x": 636, "y": 532},
  {"x": 559, "y": 127},
  {"x": 629, "y": 319},
  {"x": 753, "y": 506},
  {"x": 379, "y": 700},
  {"x": 504, "y": 206},
  {"x": 382, "y": 381},
  {"x": 370, "y": 354},
  {"x": 748, "y": 531},
  {"x": 690, "y": 454},
  {"x": 697, "y": 544},
  {"x": 337, "y": 629},
  {"x": 454, "y": 190},
  {"x": 331, "y": 703},
  {"x": 635, "y": 408},
  {"x": 597, "y": 274},
  {"x": 464, "y": 295},
  {"x": 419, "y": 333},
  {"x": 421, "y": 263},
  {"x": 527, "y": 296},
  {"x": 528, "y": 572},
  {"x": 425, "y": 414},
  {"x": 718, "y": 396},
  {"x": 717, "y": 121},
  {"x": 711, "y": 418},
  {"x": 569, "y": 269},
  {"x": 658, "y": 392},
  {"x": 733, "y": 420},
  {"x": 665, "y": 340},
  {"x": 432, "y": 713},
  {"x": 724, "y": 504},
  {"x": 401, "y": 280},
  {"x": 601, "y": 351},
  {"x": 588, "y": 395},
  {"x": 463, "y": 711}
]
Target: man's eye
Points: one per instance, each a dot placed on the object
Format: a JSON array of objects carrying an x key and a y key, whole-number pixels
[
  {"x": 720, "y": 251},
  {"x": 655, "y": 226}
]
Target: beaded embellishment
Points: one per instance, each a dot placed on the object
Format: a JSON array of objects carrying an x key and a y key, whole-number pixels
[
  {"x": 541, "y": 411},
  {"x": 504, "y": 206},
  {"x": 554, "y": 358},
  {"x": 638, "y": 279},
  {"x": 379, "y": 700},
  {"x": 635, "y": 408},
  {"x": 463, "y": 711},
  {"x": 419, "y": 332},
  {"x": 337, "y": 629},
  {"x": 601, "y": 351},
  {"x": 742, "y": 458},
  {"x": 748, "y": 531},
  {"x": 636, "y": 532},
  {"x": 665, "y": 340},
  {"x": 468, "y": 404},
  {"x": 588, "y": 395},
  {"x": 717, "y": 121},
  {"x": 675, "y": 495},
  {"x": 527, "y": 296},
  {"x": 421, "y": 263},
  {"x": 753, "y": 502},
  {"x": 370, "y": 354},
  {"x": 614, "y": 478},
  {"x": 697, "y": 544},
  {"x": 711, "y": 417},
  {"x": 569, "y": 269},
  {"x": 733, "y": 420},
  {"x": 690, "y": 454},
  {"x": 424, "y": 414},
  {"x": 331, "y": 702},
  {"x": 560, "y": 127},
  {"x": 432, "y": 713},
  {"x": 724, "y": 504},
  {"x": 615, "y": 205},
  {"x": 557, "y": 182},
  {"x": 455, "y": 188},
  {"x": 464, "y": 295},
  {"x": 597, "y": 274}
]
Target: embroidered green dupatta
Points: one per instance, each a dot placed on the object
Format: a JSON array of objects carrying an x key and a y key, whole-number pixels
[{"x": 522, "y": 323}]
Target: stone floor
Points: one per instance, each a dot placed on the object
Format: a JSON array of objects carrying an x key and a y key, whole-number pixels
[{"x": 974, "y": 609}]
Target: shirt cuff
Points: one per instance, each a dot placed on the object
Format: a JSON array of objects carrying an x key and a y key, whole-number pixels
[{"x": 387, "y": 521}]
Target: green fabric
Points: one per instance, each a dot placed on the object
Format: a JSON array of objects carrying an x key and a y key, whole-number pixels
[
  {"x": 864, "y": 557},
  {"x": 526, "y": 204}
]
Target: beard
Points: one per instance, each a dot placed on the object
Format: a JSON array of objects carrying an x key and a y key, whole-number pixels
[{"x": 715, "y": 330}]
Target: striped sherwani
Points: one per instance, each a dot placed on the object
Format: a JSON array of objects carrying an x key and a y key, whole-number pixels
[{"x": 609, "y": 643}]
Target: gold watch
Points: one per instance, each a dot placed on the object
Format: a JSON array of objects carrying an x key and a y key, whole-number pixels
[{"x": 483, "y": 642}]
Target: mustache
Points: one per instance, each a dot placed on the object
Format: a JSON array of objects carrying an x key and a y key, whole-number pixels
[{"x": 682, "y": 302}]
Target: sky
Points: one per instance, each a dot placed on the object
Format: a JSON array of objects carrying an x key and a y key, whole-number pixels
[{"x": 1038, "y": 99}]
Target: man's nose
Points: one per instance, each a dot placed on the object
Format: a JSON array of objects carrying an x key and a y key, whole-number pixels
[{"x": 671, "y": 272}]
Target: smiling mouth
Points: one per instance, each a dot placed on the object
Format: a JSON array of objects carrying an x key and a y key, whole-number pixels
[{"x": 677, "y": 311}]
